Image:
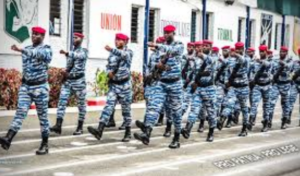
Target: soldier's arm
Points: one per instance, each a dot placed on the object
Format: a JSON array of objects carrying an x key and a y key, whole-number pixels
[
  {"x": 124, "y": 54},
  {"x": 81, "y": 55},
  {"x": 44, "y": 53},
  {"x": 176, "y": 50}
]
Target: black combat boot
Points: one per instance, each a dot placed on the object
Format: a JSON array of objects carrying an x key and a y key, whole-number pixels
[
  {"x": 244, "y": 131},
  {"x": 6, "y": 141},
  {"x": 140, "y": 125},
  {"x": 252, "y": 120},
  {"x": 160, "y": 120},
  {"x": 270, "y": 121},
  {"x": 210, "y": 135},
  {"x": 220, "y": 123},
  {"x": 97, "y": 133},
  {"x": 145, "y": 136},
  {"x": 284, "y": 123},
  {"x": 127, "y": 135},
  {"x": 265, "y": 126},
  {"x": 175, "y": 143},
  {"x": 57, "y": 127},
  {"x": 228, "y": 124},
  {"x": 186, "y": 132},
  {"x": 201, "y": 126},
  {"x": 123, "y": 126},
  {"x": 236, "y": 116},
  {"x": 168, "y": 129},
  {"x": 111, "y": 122},
  {"x": 288, "y": 121},
  {"x": 44, "y": 149},
  {"x": 79, "y": 129}
]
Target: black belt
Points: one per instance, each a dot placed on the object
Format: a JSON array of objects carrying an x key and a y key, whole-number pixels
[
  {"x": 205, "y": 84},
  {"x": 75, "y": 76},
  {"x": 33, "y": 83},
  {"x": 264, "y": 84},
  {"x": 239, "y": 85},
  {"x": 170, "y": 80},
  {"x": 283, "y": 82},
  {"x": 119, "y": 81},
  {"x": 222, "y": 82}
]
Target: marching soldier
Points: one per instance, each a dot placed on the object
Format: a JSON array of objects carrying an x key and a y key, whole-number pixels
[
  {"x": 238, "y": 87},
  {"x": 187, "y": 75},
  {"x": 282, "y": 84},
  {"x": 205, "y": 92},
  {"x": 262, "y": 71},
  {"x": 120, "y": 88},
  {"x": 168, "y": 89},
  {"x": 74, "y": 83},
  {"x": 35, "y": 88}
]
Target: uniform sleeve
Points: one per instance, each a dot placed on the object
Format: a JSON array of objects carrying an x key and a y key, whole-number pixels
[
  {"x": 175, "y": 50},
  {"x": 44, "y": 53},
  {"x": 79, "y": 55},
  {"x": 123, "y": 54}
]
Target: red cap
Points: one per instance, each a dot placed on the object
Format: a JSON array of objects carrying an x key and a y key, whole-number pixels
[
  {"x": 239, "y": 45},
  {"x": 169, "y": 28},
  {"x": 284, "y": 48},
  {"x": 232, "y": 49},
  {"x": 198, "y": 43},
  {"x": 263, "y": 48},
  {"x": 121, "y": 36},
  {"x": 78, "y": 35},
  {"x": 270, "y": 52},
  {"x": 160, "y": 40},
  {"x": 299, "y": 51},
  {"x": 39, "y": 30},
  {"x": 215, "y": 49},
  {"x": 225, "y": 47},
  {"x": 251, "y": 49},
  {"x": 207, "y": 42},
  {"x": 190, "y": 44}
]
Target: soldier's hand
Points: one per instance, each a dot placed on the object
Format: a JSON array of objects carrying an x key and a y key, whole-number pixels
[
  {"x": 194, "y": 86},
  {"x": 108, "y": 48},
  {"x": 160, "y": 66},
  {"x": 152, "y": 45},
  {"x": 111, "y": 75},
  {"x": 63, "y": 52},
  {"x": 15, "y": 48}
]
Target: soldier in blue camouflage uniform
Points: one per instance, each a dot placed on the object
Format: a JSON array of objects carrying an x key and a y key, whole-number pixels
[
  {"x": 205, "y": 92},
  {"x": 168, "y": 89},
  {"x": 262, "y": 81},
  {"x": 74, "y": 83},
  {"x": 35, "y": 88},
  {"x": 187, "y": 75},
  {"x": 120, "y": 88},
  {"x": 238, "y": 89},
  {"x": 282, "y": 84}
]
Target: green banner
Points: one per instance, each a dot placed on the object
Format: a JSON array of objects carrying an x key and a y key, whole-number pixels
[{"x": 284, "y": 7}]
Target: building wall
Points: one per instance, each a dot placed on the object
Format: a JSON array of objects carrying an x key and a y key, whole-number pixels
[{"x": 223, "y": 19}]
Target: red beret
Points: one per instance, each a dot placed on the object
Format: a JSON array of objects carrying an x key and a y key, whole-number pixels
[
  {"x": 263, "y": 48},
  {"x": 207, "y": 42},
  {"x": 270, "y": 52},
  {"x": 216, "y": 49},
  {"x": 251, "y": 49},
  {"x": 225, "y": 47},
  {"x": 121, "y": 36},
  {"x": 284, "y": 48},
  {"x": 78, "y": 35},
  {"x": 169, "y": 28},
  {"x": 239, "y": 45},
  {"x": 160, "y": 40},
  {"x": 232, "y": 49},
  {"x": 190, "y": 44},
  {"x": 299, "y": 51},
  {"x": 39, "y": 30},
  {"x": 198, "y": 43}
]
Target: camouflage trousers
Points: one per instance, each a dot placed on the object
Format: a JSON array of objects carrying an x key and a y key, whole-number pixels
[
  {"x": 295, "y": 91},
  {"x": 40, "y": 96},
  {"x": 78, "y": 87}
]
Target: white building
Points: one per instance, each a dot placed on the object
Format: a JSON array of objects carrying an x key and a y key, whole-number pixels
[{"x": 100, "y": 20}]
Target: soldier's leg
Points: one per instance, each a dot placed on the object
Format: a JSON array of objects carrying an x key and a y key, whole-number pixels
[
  {"x": 41, "y": 99},
  {"x": 81, "y": 103},
  {"x": 106, "y": 113},
  {"x": 193, "y": 114},
  {"x": 255, "y": 99},
  {"x": 219, "y": 99},
  {"x": 167, "y": 109},
  {"x": 243, "y": 98},
  {"x": 228, "y": 104},
  {"x": 285, "y": 103},
  {"x": 266, "y": 94},
  {"x": 274, "y": 97},
  {"x": 125, "y": 101},
  {"x": 209, "y": 101},
  {"x": 62, "y": 105},
  {"x": 293, "y": 98},
  {"x": 202, "y": 116},
  {"x": 186, "y": 99},
  {"x": 24, "y": 102}
]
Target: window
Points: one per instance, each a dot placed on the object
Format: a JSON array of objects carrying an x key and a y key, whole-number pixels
[
  {"x": 287, "y": 36},
  {"x": 277, "y": 42},
  {"x": 209, "y": 26},
  {"x": 134, "y": 24},
  {"x": 241, "y": 30},
  {"x": 78, "y": 15},
  {"x": 151, "y": 33},
  {"x": 193, "y": 26},
  {"x": 55, "y": 20},
  {"x": 252, "y": 33}
]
